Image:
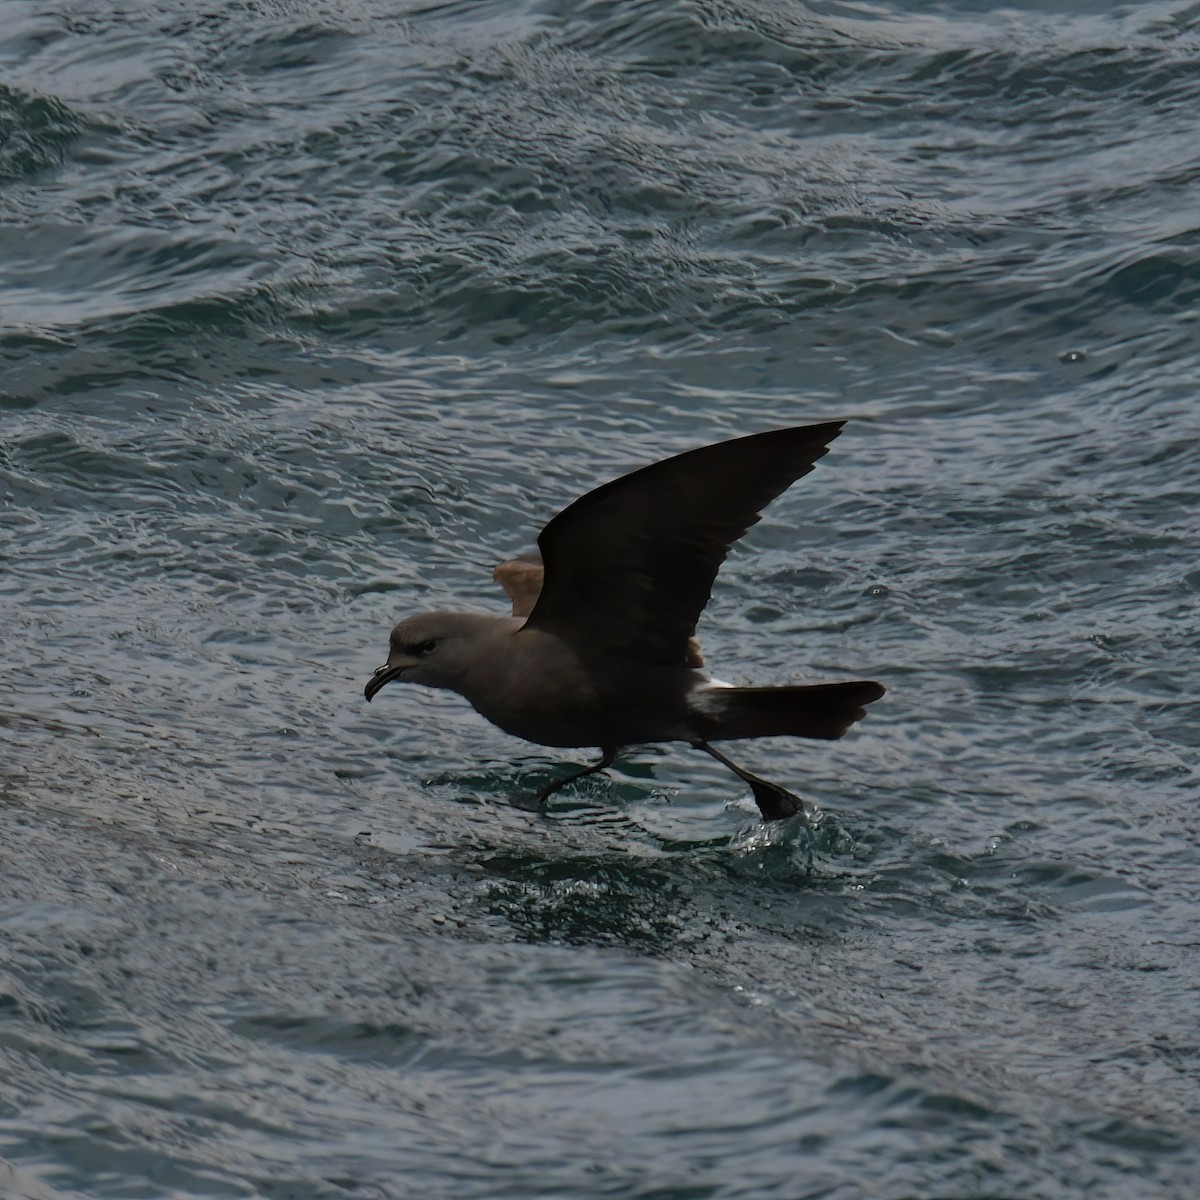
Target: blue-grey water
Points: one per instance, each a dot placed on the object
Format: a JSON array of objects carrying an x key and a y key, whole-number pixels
[{"x": 313, "y": 312}]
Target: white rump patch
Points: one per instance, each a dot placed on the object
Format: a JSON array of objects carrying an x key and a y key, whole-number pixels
[{"x": 707, "y": 698}]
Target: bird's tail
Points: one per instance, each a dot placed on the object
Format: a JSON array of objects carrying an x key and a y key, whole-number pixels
[{"x": 822, "y": 710}]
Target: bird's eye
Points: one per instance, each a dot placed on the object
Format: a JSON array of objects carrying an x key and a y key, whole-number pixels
[{"x": 423, "y": 648}]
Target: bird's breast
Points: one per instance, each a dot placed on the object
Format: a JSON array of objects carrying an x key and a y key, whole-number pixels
[{"x": 534, "y": 686}]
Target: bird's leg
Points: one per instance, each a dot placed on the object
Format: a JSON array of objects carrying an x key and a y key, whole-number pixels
[
  {"x": 607, "y": 759},
  {"x": 774, "y": 802}
]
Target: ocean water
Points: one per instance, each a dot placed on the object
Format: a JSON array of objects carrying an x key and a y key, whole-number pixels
[{"x": 312, "y": 313}]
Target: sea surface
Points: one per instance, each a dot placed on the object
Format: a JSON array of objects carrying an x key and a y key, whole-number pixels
[{"x": 313, "y": 312}]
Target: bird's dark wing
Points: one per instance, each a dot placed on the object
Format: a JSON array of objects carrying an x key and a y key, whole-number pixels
[{"x": 629, "y": 566}]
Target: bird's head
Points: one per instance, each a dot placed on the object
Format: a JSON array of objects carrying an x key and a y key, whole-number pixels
[{"x": 435, "y": 649}]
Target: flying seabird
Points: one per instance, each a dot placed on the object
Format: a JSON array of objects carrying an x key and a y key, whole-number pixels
[{"x": 600, "y": 648}]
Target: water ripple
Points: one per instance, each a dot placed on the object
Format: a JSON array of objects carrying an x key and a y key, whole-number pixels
[{"x": 317, "y": 312}]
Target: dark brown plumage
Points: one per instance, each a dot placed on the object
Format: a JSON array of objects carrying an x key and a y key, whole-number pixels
[
  {"x": 663, "y": 532},
  {"x": 600, "y": 650}
]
